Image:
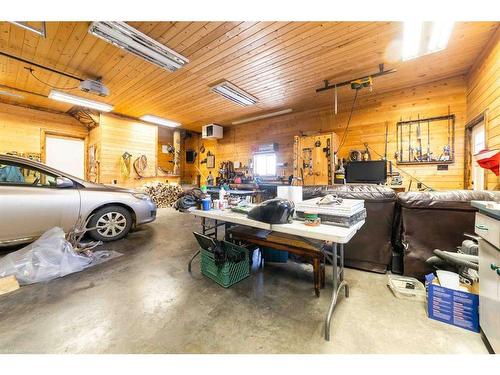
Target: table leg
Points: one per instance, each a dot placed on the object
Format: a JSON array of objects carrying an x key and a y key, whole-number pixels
[
  {"x": 317, "y": 275},
  {"x": 338, "y": 284}
]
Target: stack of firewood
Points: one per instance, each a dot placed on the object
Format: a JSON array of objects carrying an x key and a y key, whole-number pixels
[{"x": 164, "y": 195}]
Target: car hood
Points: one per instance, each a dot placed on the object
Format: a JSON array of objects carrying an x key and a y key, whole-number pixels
[{"x": 107, "y": 188}]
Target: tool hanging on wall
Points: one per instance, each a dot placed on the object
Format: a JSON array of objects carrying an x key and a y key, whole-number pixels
[
  {"x": 401, "y": 140},
  {"x": 307, "y": 160},
  {"x": 428, "y": 154},
  {"x": 125, "y": 164},
  {"x": 386, "y": 134},
  {"x": 418, "y": 149},
  {"x": 446, "y": 155},
  {"x": 140, "y": 164},
  {"x": 410, "y": 149},
  {"x": 415, "y": 152}
]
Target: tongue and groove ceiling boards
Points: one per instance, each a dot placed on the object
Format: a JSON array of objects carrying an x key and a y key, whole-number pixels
[{"x": 280, "y": 63}]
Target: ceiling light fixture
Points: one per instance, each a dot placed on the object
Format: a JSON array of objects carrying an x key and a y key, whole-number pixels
[
  {"x": 79, "y": 101},
  {"x": 441, "y": 32},
  {"x": 160, "y": 121},
  {"x": 260, "y": 117},
  {"x": 132, "y": 40},
  {"x": 234, "y": 93},
  {"x": 11, "y": 94},
  {"x": 412, "y": 35},
  {"x": 423, "y": 38}
]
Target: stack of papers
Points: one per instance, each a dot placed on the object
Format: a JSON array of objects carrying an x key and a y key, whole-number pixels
[{"x": 345, "y": 214}]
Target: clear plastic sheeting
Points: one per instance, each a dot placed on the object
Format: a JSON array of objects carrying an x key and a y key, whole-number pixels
[{"x": 47, "y": 258}]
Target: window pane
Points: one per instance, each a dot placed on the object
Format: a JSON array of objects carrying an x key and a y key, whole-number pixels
[
  {"x": 19, "y": 174},
  {"x": 264, "y": 164},
  {"x": 271, "y": 165}
]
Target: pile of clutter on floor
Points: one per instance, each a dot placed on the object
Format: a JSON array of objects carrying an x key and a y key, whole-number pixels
[
  {"x": 189, "y": 199},
  {"x": 163, "y": 194},
  {"x": 55, "y": 254}
]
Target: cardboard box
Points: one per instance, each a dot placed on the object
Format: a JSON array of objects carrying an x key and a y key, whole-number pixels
[{"x": 455, "y": 307}]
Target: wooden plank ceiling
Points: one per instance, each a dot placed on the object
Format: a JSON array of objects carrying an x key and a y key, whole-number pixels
[{"x": 281, "y": 63}]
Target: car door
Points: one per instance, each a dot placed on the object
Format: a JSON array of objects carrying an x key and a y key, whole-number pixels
[{"x": 31, "y": 202}]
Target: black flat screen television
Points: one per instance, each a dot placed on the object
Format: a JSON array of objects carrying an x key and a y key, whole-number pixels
[{"x": 371, "y": 172}]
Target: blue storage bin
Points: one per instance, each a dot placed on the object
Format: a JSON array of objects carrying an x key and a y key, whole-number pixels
[{"x": 274, "y": 256}]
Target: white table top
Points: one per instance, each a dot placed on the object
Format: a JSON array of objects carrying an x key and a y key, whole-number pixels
[
  {"x": 322, "y": 232},
  {"x": 232, "y": 217}
]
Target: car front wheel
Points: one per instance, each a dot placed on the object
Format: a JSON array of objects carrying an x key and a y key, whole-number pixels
[{"x": 112, "y": 223}]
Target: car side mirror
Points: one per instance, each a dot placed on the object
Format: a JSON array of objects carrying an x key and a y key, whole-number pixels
[{"x": 64, "y": 182}]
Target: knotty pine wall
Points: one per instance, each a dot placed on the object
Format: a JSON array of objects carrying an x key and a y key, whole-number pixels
[
  {"x": 21, "y": 128},
  {"x": 118, "y": 135},
  {"x": 483, "y": 94},
  {"x": 367, "y": 125}
]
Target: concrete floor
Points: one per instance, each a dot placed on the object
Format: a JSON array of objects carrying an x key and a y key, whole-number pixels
[{"x": 146, "y": 302}]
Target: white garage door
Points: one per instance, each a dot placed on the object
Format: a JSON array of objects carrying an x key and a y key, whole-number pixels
[{"x": 66, "y": 154}]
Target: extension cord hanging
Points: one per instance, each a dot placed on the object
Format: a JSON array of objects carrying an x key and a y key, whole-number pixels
[{"x": 344, "y": 136}]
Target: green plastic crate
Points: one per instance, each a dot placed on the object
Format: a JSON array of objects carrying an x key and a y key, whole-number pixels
[{"x": 229, "y": 273}]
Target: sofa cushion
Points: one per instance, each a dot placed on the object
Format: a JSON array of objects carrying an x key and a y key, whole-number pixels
[
  {"x": 449, "y": 200},
  {"x": 371, "y": 193}
]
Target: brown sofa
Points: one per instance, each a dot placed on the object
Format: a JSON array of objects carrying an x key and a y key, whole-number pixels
[
  {"x": 433, "y": 220},
  {"x": 371, "y": 247}
]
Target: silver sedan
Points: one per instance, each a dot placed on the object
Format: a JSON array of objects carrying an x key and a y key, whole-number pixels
[{"x": 35, "y": 198}]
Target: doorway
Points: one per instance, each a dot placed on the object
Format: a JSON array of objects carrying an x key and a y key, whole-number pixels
[
  {"x": 66, "y": 154},
  {"x": 478, "y": 143},
  {"x": 475, "y": 141}
]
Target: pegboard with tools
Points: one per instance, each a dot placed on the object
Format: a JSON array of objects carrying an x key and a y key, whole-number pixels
[{"x": 314, "y": 159}]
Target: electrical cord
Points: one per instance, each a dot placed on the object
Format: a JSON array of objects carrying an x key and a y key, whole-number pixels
[
  {"x": 47, "y": 84},
  {"x": 401, "y": 170},
  {"x": 344, "y": 136}
]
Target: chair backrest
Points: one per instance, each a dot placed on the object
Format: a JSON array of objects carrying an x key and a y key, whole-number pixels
[{"x": 205, "y": 242}]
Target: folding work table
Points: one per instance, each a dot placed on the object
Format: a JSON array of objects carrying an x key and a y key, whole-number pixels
[{"x": 337, "y": 236}]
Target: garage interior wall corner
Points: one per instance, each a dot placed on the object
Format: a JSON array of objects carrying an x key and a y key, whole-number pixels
[{"x": 483, "y": 96}]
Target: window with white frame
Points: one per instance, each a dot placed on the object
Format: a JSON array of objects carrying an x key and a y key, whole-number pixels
[{"x": 264, "y": 164}]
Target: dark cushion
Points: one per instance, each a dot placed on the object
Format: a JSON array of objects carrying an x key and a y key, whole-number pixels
[
  {"x": 434, "y": 220},
  {"x": 371, "y": 248},
  {"x": 450, "y": 200},
  {"x": 371, "y": 193}
]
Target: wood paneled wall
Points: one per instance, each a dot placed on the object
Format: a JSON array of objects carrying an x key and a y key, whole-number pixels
[
  {"x": 21, "y": 128},
  {"x": 119, "y": 135},
  {"x": 483, "y": 95},
  {"x": 367, "y": 125}
]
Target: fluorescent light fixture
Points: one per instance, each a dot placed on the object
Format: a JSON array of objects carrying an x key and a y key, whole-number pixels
[
  {"x": 441, "y": 32},
  {"x": 160, "y": 121},
  {"x": 132, "y": 40},
  {"x": 260, "y": 117},
  {"x": 412, "y": 35},
  {"x": 79, "y": 101},
  {"x": 11, "y": 94},
  {"x": 234, "y": 93}
]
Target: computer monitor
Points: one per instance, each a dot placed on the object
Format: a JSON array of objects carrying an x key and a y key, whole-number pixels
[{"x": 371, "y": 172}]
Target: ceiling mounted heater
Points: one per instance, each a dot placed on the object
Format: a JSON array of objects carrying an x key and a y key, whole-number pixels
[
  {"x": 132, "y": 40},
  {"x": 234, "y": 93}
]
